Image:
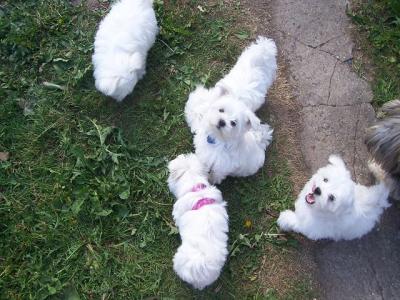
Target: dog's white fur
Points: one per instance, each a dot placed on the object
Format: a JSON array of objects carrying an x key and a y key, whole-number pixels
[
  {"x": 203, "y": 232},
  {"x": 353, "y": 212},
  {"x": 121, "y": 44},
  {"x": 239, "y": 149},
  {"x": 253, "y": 73}
]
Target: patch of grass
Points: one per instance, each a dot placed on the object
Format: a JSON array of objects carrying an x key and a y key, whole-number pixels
[
  {"x": 300, "y": 290},
  {"x": 84, "y": 206},
  {"x": 379, "y": 21}
]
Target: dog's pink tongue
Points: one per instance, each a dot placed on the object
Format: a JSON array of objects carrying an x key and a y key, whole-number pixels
[{"x": 310, "y": 198}]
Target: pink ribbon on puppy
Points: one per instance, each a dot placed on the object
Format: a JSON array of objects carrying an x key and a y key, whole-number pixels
[
  {"x": 199, "y": 187},
  {"x": 203, "y": 201}
]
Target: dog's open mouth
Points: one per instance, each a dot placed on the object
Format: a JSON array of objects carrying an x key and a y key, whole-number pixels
[{"x": 310, "y": 198}]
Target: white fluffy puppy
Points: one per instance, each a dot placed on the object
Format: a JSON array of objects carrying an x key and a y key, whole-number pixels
[
  {"x": 200, "y": 215},
  {"x": 248, "y": 82},
  {"x": 231, "y": 140},
  {"x": 333, "y": 206},
  {"x": 121, "y": 44}
]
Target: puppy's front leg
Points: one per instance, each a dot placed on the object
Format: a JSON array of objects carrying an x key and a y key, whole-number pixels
[{"x": 288, "y": 221}]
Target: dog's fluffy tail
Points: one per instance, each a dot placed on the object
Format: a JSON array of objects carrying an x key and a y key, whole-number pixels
[
  {"x": 262, "y": 53},
  {"x": 383, "y": 142},
  {"x": 253, "y": 73}
]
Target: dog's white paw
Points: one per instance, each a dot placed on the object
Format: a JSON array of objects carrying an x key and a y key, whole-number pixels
[{"x": 287, "y": 220}]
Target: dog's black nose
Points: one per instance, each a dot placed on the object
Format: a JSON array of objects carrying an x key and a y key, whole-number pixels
[
  {"x": 221, "y": 123},
  {"x": 317, "y": 191}
]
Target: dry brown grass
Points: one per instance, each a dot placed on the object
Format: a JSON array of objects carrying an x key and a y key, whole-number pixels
[{"x": 287, "y": 124}]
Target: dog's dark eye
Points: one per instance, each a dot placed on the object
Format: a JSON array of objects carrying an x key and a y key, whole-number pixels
[
  {"x": 331, "y": 198},
  {"x": 221, "y": 110},
  {"x": 233, "y": 123},
  {"x": 325, "y": 179}
]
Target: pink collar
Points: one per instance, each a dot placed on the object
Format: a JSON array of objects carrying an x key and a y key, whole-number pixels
[
  {"x": 203, "y": 201},
  {"x": 199, "y": 187}
]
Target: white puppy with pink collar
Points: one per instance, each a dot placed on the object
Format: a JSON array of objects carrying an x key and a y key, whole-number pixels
[
  {"x": 200, "y": 215},
  {"x": 332, "y": 206}
]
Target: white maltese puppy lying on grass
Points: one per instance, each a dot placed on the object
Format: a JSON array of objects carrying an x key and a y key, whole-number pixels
[
  {"x": 229, "y": 138},
  {"x": 121, "y": 44},
  {"x": 333, "y": 206},
  {"x": 200, "y": 215}
]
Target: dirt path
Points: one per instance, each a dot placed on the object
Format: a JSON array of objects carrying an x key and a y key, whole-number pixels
[{"x": 329, "y": 113}]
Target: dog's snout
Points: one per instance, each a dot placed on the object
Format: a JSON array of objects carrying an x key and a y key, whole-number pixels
[
  {"x": 317, "y": 191},
  {"x": 221, "y": 123}
]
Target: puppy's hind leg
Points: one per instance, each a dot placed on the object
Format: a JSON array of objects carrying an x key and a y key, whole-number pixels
[{"x": 288, "y": 221}]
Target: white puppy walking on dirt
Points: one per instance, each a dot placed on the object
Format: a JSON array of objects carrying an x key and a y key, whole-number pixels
[
  {"x": 121, "y": 44},
  {"x": 200, "y": 215},
  {"x": 229, "y": 138},
  {"x": 332, "y": 206}
]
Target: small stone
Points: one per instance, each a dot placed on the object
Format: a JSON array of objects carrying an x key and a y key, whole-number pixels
[{"x": 4, "y": 156}]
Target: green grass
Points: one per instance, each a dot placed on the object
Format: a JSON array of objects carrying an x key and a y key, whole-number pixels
[
  {"x": 85, "y": 211},
  {"x": 379, "y": 21}
]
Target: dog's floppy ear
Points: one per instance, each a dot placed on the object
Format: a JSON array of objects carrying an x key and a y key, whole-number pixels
[
  {"x": 252, "y": 122},
  {"x": 336, "y": 160}
]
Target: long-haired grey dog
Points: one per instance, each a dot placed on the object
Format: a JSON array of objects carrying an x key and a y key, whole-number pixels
[{"x": 383, "y": 142}]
